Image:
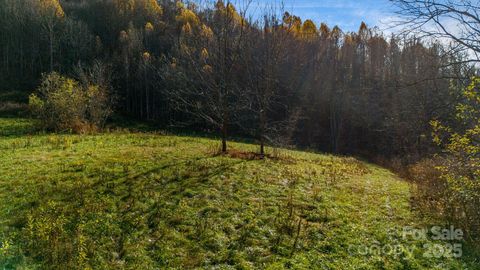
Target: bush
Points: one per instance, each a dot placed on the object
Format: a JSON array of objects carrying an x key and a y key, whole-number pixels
[
  {"x": 62, "y": 104},
  {"x": 449, "y": 193},
  {"x": 432, "y": 190},
  {"x": 452, "y": 181}
]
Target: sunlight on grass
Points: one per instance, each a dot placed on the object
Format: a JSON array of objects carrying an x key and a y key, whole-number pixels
[
  {"x": 16, "y": 126},
  {"x": 123, "y": 200}
]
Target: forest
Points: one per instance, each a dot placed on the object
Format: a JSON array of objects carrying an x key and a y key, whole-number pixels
[
  {"x": 277, "y": 79},
  {"x": 403, "y": 100}
]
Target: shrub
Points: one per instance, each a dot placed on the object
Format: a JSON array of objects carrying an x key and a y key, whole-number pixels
[
  {"x": 432, "y": 190},
  {"x": 448, "y": 193},
  {"x": 452, "y": 182},
  {"x": 462, "y": 167},
  {"x": 62, "y": 104},
  {"x": 98, "y": 105}
]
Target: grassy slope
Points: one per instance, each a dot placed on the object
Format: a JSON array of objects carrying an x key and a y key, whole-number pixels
[{"x": 145, "y": 201}]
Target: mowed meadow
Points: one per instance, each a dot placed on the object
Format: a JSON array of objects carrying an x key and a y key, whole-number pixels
[{"x": 130, "y": 200}]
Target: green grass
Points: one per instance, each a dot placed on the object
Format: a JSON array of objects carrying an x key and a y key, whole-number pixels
[
  {"x": 150, "y": 201},
  {"x": 14, "y": 127}
]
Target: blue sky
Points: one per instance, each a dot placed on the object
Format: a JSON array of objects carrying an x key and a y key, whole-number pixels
[{"x": 347, "y": 14}]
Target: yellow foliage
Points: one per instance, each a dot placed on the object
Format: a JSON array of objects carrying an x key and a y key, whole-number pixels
[
  {"x": 309, "y": 29},
  {"x": 187, "y": 16},
  {"x": 207, "y": 69},
  {"x": 129, "y": 6},
  {"x": 148, "y": 27},
  {"x": 206, "y": 31},
  {"x": 324, "y": 30},
  {"x": 52, "y": 6},
  {"x": 292, "y": 23},
  {"x": 229, "y": 11},
  {"x": 179, "y": 5},
  {"x": 231, "y": 8},
  {"x": 153, "y": 6},
  {"x": 349, "y": 40},
  {"x": 186, "y": 28},
  {"x": 5, "y": 248},
  {"x": 204, "y": 54},
  {"x": 463, "y": 145},
  {"x": 146, "y": 56},
  {"x": 472, "y": 92}
]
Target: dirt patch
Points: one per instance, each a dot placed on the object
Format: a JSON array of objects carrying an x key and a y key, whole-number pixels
[{"x": 238, "y": 154}]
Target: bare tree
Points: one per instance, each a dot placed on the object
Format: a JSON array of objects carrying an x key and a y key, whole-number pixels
[
  {"x": 455, "y": 20},
  {"x": 51, "y": 13},
  {"x": 211, "y": 58},
  {"x": 264, "y": 57}
]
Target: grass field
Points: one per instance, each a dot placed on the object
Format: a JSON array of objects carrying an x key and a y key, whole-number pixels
[{"x": 124, "y": 200}]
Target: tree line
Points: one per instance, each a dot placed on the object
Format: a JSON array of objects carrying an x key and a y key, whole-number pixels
[{"x": 276, "y": 78}]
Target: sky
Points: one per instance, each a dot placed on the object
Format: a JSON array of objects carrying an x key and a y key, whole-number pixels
[{"x": 347, "y": 14}]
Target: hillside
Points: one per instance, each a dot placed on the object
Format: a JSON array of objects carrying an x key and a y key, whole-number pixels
[
  {"x": 222, "y": 134},
  {"x": 124, "y": 200}
]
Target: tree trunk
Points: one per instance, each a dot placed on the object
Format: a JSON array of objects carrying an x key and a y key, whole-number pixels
[
  {"x": 262, "y": 148},
  {"x": 333, "y": 127},
  {"x": 51, "y": 49},
  {"x": 147, "y": 101},
  {"x": 262, "y": 133},
  {"x": 224, "y": 137}
]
